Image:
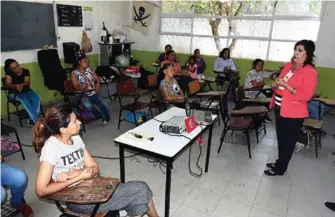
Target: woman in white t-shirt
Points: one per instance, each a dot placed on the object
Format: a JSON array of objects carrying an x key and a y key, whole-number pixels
[{"x": 65, "y": 161}]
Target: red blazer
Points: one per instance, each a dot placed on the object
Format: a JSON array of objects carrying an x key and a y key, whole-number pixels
[{"x": 304, "y": 80}]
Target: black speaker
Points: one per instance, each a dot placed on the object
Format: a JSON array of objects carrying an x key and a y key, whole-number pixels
[{"x": 71, "y": 50}]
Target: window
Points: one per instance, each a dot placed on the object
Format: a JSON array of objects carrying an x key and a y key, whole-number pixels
[{"x": 252, "y": 29}]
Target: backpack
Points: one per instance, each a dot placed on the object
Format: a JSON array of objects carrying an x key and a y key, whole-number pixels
[{"x": 143, "y": 80}]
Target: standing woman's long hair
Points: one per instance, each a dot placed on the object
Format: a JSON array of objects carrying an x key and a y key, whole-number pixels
[{"x": 55, "y": 117}]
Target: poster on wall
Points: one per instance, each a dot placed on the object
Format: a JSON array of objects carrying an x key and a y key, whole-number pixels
[
  {"x": 142, "y": 16},
  {"x": 88, "y": 18}
]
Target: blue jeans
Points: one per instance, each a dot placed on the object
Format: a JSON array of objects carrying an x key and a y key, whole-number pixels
[
  {"x": 88, "y": 102},
  {"x": 30, "y": 101},
  {"x": 17, "y": 180},
  {"x": 313, "y": 110}
]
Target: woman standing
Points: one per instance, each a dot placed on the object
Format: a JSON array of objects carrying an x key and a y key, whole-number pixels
[{"x": 293, "y": 89}]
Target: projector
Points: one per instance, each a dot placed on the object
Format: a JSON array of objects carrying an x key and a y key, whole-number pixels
[{"x": 175, "y": 125}]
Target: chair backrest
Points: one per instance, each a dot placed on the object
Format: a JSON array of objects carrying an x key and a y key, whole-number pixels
[
  {"x": 68, "y": 86},
  {"x": 194, "y": 87},
  {"x": 152, "y": 80},
  {"x": 231, "y": 82},
  {"x": 52, "y": 69}
]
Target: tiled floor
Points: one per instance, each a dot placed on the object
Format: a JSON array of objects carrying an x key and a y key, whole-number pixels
[{"x": 233, "y": 187}]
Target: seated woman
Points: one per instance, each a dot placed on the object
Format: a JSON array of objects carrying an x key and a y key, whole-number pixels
[
  {"x": 85, "y": 79},
  {"x": 65, "y": 160},
  {"x": 17, "y": 181},
  {"x": 169, "y": 86},
  {"x": 162, "y": 56},
  {"x": 200, "y": 62},
  {"x": 254, "y": 79},
  {"x": 18, "y": 84},
  {"x": 223, "y": 65},
  {"x": 192, "y": 67},
  {"x": 170, "y": 58}
]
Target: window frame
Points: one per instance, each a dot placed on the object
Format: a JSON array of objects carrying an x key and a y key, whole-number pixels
[{"x": 271, "y": 18}]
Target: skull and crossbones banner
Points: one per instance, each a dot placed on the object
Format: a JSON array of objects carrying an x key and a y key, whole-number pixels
[{"x": 142, "y": 16}]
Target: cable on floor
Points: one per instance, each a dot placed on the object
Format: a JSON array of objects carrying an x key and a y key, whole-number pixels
[{"x": 115, "y": 158}]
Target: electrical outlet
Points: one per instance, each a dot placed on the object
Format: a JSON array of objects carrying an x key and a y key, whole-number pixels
[{"x": 58, "y": 37}]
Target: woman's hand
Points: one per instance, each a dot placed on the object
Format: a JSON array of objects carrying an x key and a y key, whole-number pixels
[
  {"x": 62, "y": 177},
  {"x": 282, "y": 83},
  {"x": 86, "y": 173}
]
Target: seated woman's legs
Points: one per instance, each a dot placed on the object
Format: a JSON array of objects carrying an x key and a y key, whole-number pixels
[
  {"x": 17, "y": 180},
  {"x": 90, "y": 108},
  {"x": 3, "y": 194},
  {"x": 98, "y": 100},
  {"x": 135, "y": 197}
]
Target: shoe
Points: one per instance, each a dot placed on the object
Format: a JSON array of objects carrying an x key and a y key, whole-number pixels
[
  {"x": 30, "y": 123},
  {"x": 272, "y": 172},
  {"x": 268, "y": 119},
  {"x": 271, "y": 165},
  {"x": 25, "y": 210},
  {"x": 104, "y": 122},
  {"x": 330, "y": 205}
]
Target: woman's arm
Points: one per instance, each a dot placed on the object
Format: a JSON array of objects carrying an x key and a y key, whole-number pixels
[
  {"x": 177, "y": 68},
  {"x": 168, "y": 98},
  {"x": 75, "y": 83},
  {"x": 44, "y": 185},
  {"x": 97, "y": 82},
  {"x": 91, "y": 163},
  {"x": 232, "y": 65},
  {"x": 204, "y": 66},
  {"x": 305, "y": 91}
]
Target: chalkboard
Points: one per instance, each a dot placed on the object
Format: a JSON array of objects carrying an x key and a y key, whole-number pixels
[
  {"x": 26, "y": 25},
  {"x": 69, "y": 15}
]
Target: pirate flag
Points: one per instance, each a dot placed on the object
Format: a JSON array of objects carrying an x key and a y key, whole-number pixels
[{"x": 142, "y": 16}]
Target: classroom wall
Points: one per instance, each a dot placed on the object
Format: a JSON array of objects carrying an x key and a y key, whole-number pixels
[{"x": 111, "y": 12}]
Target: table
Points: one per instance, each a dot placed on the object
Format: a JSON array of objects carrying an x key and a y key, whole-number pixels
[
  {"x": 164, "y": 147},
  {"x": 266, "y": 90}
]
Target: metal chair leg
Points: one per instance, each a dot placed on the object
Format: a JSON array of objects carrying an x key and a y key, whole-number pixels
[
  {"x": 222, "y": 138},
  {"x": 316, "y": 144},
  {"x": 19, "y": 115},
  {"x": 20, "y": 145},
  {"x": 8, "y": 113},
  {"x": 120, "y": 113},
  {"x": 248, "y": 141}
]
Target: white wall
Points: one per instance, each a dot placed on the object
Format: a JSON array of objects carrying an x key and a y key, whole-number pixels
[
  {"x": 111, "y": 12},
  {"x": 326, "y": 40}
]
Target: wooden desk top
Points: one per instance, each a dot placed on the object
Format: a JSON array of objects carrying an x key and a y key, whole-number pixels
[
  {"x": 212, "y": 93},
  {"x": 326, "y": 101},
  {"x": 313, "y": 123},
  {"x": 258, "y": 100},
  {"x": 95, "y": 190},
  {"x": 250, "y": 110}
]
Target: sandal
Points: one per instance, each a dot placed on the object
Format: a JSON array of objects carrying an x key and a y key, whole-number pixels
[
  {"x": 271, "y": 172},
  {"x": 271, "y": 165}
]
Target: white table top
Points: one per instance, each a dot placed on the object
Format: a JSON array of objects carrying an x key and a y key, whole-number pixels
[{"x": 162, "y": 144}]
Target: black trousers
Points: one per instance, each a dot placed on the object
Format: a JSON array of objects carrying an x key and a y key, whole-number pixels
[{"x": 287, "y": 130}]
